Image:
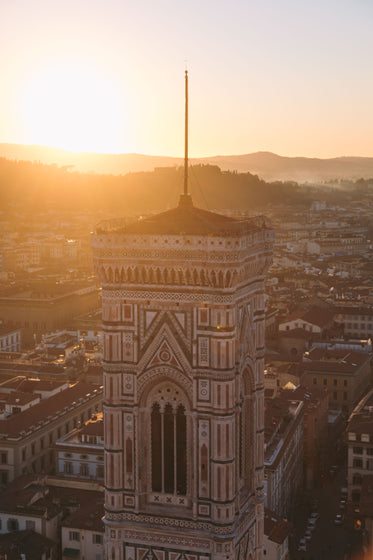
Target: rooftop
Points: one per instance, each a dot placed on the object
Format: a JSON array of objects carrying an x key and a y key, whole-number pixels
[
  {"x": 190, "y": 220},
  {"x": 18, "y": 425},
  {"x": 275, "y": 528}
]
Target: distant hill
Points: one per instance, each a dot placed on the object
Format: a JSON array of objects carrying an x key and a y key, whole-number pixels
[
  {"x": 268, "y": 166},
  {"x": 37, "y": 187}
]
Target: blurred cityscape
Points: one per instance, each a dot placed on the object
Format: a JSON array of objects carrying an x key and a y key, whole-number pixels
[{"x": 318, "y": 455}]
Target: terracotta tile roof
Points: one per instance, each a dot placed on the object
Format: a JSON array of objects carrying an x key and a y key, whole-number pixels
[
  {"x": 297, "y": 333},
  {"x": 310, "y": 396},
  {"x": 295, "y": 369},
  {"x": 276, "y": 528},
  {"x": 334, "y": 361},
  {"x": 94, "y": 427},
  {"x": 45, "y": 497},
  {"x": 361, "y": 423},
  {"x": 23, "y": 421},
  {"x": 319, "y": 316},
  {"x": 88, "y": 517},
  {"x": 188, "y": 219},
  {"x": 19, "y": 398},
  {"x": 351, "y": 310},
  {"x": 32, "y": 545}
]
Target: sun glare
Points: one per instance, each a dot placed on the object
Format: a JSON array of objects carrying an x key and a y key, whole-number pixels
[{"x": 73, "y": 108}]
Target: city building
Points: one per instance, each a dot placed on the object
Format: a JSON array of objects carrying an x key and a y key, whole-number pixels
[
  {"x": 10, "y": 339},
  {"x": 83, "y": 532},
  {"x": 283, "y": 454},
  {"x": 276, "y": 536},
  {"x": 357, "y": 321},
  {"x": 39, "y": 504},
  {"x": 80, "y": 453},
  {"x": 35, "y": 413},
  {"x": 43, "y": 307},
  {"x": 359, "y": 441},
  {"x": 344, "y": 373},
  {"x": 316, "y": 451}
]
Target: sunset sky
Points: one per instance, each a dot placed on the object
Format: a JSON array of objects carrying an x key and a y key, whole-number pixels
[{"x": 288, "y": 76}]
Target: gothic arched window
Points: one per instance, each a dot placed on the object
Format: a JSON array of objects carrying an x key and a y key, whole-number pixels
[{"x": 168, "y": 456}]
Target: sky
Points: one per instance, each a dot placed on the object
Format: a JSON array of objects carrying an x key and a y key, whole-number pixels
[{"x": 287, "y": 76}]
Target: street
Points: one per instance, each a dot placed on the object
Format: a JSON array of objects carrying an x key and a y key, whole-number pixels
[{"x": 329, "y": 541}]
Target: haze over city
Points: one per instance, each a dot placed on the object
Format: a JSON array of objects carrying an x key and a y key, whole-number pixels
[
  {"x": 289, "y": 77},
  {"x": 186, "y": 356}
]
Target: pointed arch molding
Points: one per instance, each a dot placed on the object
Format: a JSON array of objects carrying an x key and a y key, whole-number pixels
[
  {"x": 248, "y": 377},
  {"x": 159, "y": 375}
]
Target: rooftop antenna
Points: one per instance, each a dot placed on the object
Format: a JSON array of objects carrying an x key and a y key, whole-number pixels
[{"x": 185, "y": 199}]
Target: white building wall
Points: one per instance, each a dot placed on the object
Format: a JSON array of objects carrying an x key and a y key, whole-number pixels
[{"x": 90, "y": 543}]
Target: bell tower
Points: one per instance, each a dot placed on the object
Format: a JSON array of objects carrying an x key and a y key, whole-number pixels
[{"x": 183, "y": 322}]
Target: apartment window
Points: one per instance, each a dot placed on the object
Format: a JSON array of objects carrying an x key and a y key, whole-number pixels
[
  {"x": 314, "y": 380},
  {"x": 335, "y": 395},
  {"x": 369, "y": 450},
  {"x": 325, "y": 381},
  {"x": 358, "y": 450},
  {"x": 74, "y": 536},
  {"x": 33, "y": 449},
  {"x": 68, "y": 468},
  {"x": 358, "y": 463},
  {"x": 97, "y": 539},
  {"x": 345, "y": 383},
  {"x": 4, "y": 458},
  {"x": 4, "y": 477},
  {"x": 357, "y": 478},
  {"x": 345, "y": 396},
  {"x": 335, "y": 382},
  {"x": 84, "y": 471},
  {"x": 23, "y": 454},
  {"x": 59, "y": 432},
  {"x": 365, "y": 438},
  {"x": 12, "y": 525},
  {"x": 41, "y": 443},
  {"x": 50, "y": 438},
  {"x": 369, "y": 464},
  {"x": 30, "y": 524},
  {"x": 100, "y": 471}
]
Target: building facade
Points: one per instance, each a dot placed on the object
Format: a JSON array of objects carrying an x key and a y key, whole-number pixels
[
  {"x": 283, "y": 454},
  {"x": 359, "y": 441},
  {"x": 344, "y": 373},
  {"x": 29, "y": 428},
  {"x": 183, "y": 324},
  {"x": 80, "y": 453}
]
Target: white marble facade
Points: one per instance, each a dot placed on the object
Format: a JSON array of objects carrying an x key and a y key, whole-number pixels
[{"x": 183, "y": 323}]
